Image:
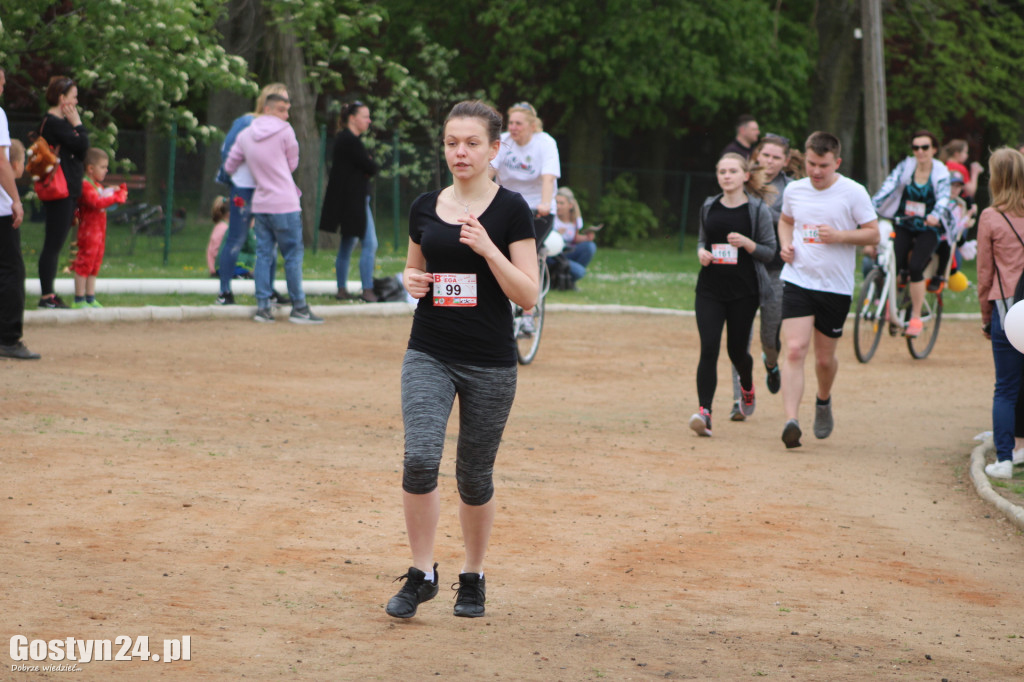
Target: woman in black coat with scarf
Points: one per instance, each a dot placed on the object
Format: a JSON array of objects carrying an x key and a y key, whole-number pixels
[{"x": 347, "y": 201}]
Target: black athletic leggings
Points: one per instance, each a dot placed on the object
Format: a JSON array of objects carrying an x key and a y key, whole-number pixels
[
  {"x": 58, "y": 223},
  {"x": 923, "y": 243},
  {"x": 737, "y": 316}
]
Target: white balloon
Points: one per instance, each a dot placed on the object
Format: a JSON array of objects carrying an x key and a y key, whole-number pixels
[{"x": 1013, "y": 325}]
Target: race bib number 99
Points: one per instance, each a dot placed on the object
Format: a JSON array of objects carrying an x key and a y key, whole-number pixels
[
  {"x": 724, "y": 254},
  {"x": 456, "y": 290}
]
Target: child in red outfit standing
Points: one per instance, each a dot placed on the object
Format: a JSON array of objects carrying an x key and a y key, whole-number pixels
[{"x": 92, "y": 226}]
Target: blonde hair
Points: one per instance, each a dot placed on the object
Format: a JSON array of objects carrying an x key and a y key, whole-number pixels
[
  {"x": 574, "y": 206},
  {"x": 755, "y": 184},
  {"x": 220, "y": 209},
  {"x": 94, "y": 155},
  {"x": 269, "y": 89},
  {"x": 531, "y": 115},
  {"x": 17, "y": 152},
  {"x": 1006, "y": 180}
]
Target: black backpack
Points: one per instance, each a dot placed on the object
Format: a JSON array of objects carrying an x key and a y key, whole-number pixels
[
  {"x": 561, "y": 275},
  {"x": 388, "y": 290}
]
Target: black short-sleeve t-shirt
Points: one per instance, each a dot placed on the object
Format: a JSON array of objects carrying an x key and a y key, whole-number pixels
[
  {"x": 481, "y": 334},
  {"x": 728, "y": 282}
]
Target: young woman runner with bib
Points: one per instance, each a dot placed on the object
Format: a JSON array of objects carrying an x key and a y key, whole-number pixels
[{"x": 471, "y": 251}]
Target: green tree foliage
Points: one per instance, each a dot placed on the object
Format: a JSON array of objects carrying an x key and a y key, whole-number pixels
[
  {"x": 948, "y": 60},
  {"x": 150, "y": 61},
  {"x": 624, "y": 216}
]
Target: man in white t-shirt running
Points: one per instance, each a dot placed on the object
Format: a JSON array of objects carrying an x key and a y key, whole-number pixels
[{"x": 825, "y": 217}]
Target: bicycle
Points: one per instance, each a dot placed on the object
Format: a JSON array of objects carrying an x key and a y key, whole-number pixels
[
  {"x": 884, "y": 303},
  {"x": 527, "y": 342}
]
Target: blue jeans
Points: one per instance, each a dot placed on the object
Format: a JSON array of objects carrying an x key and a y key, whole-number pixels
[
  {"x": 234, "y": 238},
  {"x": 1009, "y": 365},
  {"x": 367, "y": 257},
  {"x": 284, "y": 231},
  {"x": 579, "y": 256}
]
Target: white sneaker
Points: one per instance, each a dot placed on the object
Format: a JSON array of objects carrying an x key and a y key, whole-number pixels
[
  {"x": 1018, "y": 456},
  {"x": 1002, "y": 469}
]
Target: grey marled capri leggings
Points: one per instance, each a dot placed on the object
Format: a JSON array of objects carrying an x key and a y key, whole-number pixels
[{"x": 429, "y": 387}]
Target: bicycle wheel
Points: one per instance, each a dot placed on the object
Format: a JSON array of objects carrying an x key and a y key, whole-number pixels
[
  {"x": 528, "y": 343},
  {"x": 867, "y": 328},
  {"x": 931, "y": 315}
]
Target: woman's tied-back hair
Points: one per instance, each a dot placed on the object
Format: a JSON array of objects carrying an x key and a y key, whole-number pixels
[
  {"x": 59, "y": 85},
  {"x": 951, "y": 148},
  {"x": 574, "y": 206},
  {"x": 475, "y": 108},
  {"x": 220, "y": 209},
  {"x": 1006, "y": 180},
  {"x": 531, "y": 115},
  {"x": 350, "y": 110},
  {"x": 755, "y": 184}
]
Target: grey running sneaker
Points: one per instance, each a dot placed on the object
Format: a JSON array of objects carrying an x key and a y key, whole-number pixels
[
  {"x": 701, "y": 423},
  {"x": 527, "y": 325},
  {"x": 263, "y": 315},
  {"x": 414, "y": 592},
  {"x": 472, "y": 593},
  {"x": 305, "y": 316},
  {"x": 736, "y": 414},
  {"x": 823, "y": 419},
  {"x": 18, "y": 351},
  {"x": 748, "y": 403},
  {"x": 791, "y": 434}
]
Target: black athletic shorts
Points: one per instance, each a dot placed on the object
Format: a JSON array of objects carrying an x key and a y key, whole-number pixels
[{"x": 828, "y": 310}]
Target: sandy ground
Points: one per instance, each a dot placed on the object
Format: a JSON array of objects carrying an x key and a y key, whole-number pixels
[{"x": 239, "y": 484}]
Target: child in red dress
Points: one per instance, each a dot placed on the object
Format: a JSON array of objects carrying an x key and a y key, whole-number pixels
[{"x": 92, "y": 226}]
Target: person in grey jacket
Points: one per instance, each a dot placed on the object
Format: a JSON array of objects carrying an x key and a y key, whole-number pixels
[{"x": 735, "y": 242}]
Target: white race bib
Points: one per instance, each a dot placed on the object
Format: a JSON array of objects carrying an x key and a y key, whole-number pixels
[
  {"x": 456, "y": 290},
  {"x": 810, "y": 234},
  {"x": 915, "y": 209},
  {"x": 724, "y": 254}
]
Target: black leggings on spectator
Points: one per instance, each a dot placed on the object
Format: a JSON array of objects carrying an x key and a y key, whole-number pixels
[
  {"x": 58, "y": 222},
  {"x": 923, "y": 243},
  {"x": 737, "y": 316}
]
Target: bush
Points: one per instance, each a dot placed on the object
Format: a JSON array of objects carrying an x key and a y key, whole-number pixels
[{"x": 624, "y": 216}]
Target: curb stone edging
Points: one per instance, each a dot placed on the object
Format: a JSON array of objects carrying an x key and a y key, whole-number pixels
[{"x": 984, "y": 486}]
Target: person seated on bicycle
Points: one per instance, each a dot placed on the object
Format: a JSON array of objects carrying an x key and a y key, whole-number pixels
[{"x": 915, "y": 197}]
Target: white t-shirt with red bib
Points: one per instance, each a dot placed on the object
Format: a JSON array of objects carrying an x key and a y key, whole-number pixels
[{"x": 845, "y": 205}]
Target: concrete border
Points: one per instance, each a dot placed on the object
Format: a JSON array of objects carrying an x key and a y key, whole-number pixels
[{"x": 984, "y": 486}]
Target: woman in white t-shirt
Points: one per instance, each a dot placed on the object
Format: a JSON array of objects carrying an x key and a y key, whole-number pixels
[{"x": 579, "y": 244}]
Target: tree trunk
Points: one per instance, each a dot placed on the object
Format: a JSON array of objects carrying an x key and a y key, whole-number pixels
[
  {"x": 286, "y": 60},
  {"x": 586, "y": 153},
  {"x": 653, "y": 158},
  {"x": 837, "y": 82},
  {"x": 241, "y": 26}
]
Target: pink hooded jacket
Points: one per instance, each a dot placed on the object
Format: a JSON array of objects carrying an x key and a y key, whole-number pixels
[{"x": 271, "y": 151}]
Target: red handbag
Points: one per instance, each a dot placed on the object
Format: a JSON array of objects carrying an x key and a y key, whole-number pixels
[{"x": 54, "y": 186}]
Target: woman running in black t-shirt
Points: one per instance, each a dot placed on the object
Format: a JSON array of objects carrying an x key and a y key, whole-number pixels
[
  {"x": 736, "y": 240},
  {"x": 471, "y": 250}
]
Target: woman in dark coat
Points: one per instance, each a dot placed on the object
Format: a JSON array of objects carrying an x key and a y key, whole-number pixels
[
  {"x": 347, "y": 201},
  {"x": 62, "y": 127}
]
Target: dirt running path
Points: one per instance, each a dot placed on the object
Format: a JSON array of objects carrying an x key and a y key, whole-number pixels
[{"x": 239, "y": 484}]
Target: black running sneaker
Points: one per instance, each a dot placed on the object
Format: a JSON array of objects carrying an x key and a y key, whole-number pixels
[
  {"x": 414, "y": 592},
  {"x": 471, "y": 595},
  {"x": 226, "y": 298},
  {"x": 52, "y": 303},
  {"x": 279, "y": 299}
]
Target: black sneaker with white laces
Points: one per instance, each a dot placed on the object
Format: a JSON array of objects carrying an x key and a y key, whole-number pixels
[
  {"x": 226, "y": 298},
  {"x": 414, "y": 592},
  {"x": 471, "y": 595},
  {"x": 279, "y": 299}
]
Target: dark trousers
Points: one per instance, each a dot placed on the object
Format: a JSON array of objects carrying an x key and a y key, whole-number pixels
[
  {"x": 737, "y": 316},
  {"x": 12, "y": 283},
  {"x": 923, "y": 243},
  {"x": 58, "y": 223}
]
